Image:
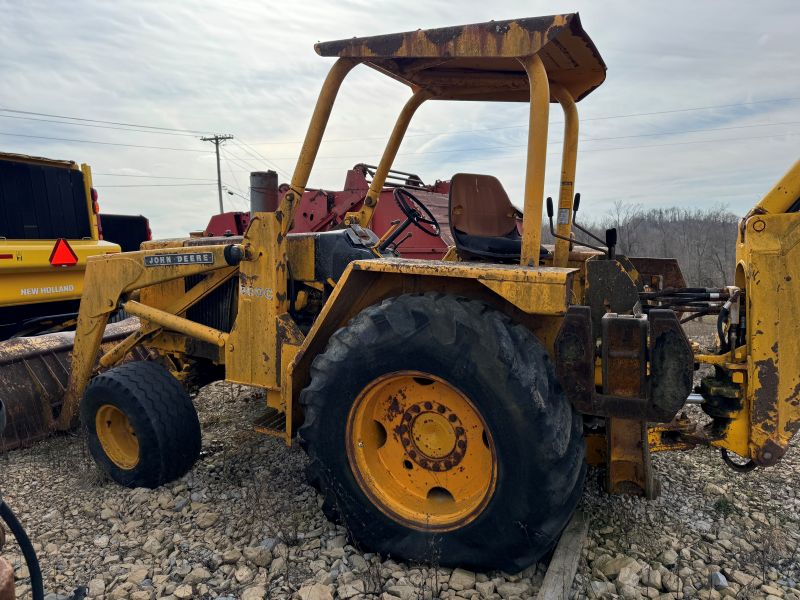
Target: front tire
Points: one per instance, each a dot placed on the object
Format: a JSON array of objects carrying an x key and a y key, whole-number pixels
[
  {"x": 141, "y": 426},
  {"x": 437, "y": 432}
]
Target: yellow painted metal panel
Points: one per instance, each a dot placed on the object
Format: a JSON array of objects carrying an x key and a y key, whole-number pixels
[
  {"x": 537, "y": 158},
  {"x": 470, "y": 270},
  {"x": 28, "y": 276},
  {"x": 772, "y": 254},
  {"x": 253, "y": 352},
  {"x": 534, "y": 297},
  {"x": 34, "y": 255},
  {"x": 108, "y": 277},
  {"x": 785, "y": 193},
  {"x": 569, "y": 158},
  {"x": 300, "y": 250},
  {"x": 87, "y": 185}
]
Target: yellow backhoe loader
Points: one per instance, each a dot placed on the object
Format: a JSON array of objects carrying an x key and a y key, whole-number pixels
[{"x": 450, "y": 404}]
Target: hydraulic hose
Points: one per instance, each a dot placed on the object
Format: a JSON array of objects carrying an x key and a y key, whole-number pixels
[
  {"x": 724, "y": 345},
  {"x": 10, "y": 519}
]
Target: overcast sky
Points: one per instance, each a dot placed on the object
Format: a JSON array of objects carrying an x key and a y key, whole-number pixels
[{"x": 721, "y": 81}]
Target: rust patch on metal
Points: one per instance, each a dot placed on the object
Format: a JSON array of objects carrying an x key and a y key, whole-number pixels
[
  {"x": 766, "y": 396},
  {"x": 445, "y": 35},
  {"x": 483, "y": 51},
  {"x": 769, "y": 454},
  {"x": 384, "y": 45},
  {"x": 33, "y": 379},
  {"x": 670, "y": 379},
  {"x": 433, "y": 463},
  {"x": 667, "y": 269},
  {"x": 394, "y": 410}
]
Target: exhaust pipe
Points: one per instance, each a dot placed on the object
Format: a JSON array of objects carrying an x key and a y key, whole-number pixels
[{"x": 263, "y": 191}]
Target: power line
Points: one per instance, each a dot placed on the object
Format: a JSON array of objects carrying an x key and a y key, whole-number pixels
[
  {"x": 236, "y": 197},
  {"x": 620, "y": 137},
  {"x": 45, "y": 137},
  {"x": 98, "y": 126},
  {"x": 741, "y": 139},
  {"x": 602, "y": 118},
  {"x": 242, "y": 161},
  {"x": 247, "y": 148},
  {"x": 38, "y": 114},
  {"x": 556, "y": 153},
  {"x": 138, "y": 185},
  {"x": 230, "y": 169},
  {"x": 154, "y": 176},
  {"x": 558, "y": 142},
  {"x": 86, "y": 122}
]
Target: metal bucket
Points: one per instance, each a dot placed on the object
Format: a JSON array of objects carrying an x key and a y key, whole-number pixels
[{"x": 34, "y": 372}]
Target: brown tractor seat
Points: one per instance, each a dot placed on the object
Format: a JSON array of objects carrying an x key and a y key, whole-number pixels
[{"x": 483, "y": 221}]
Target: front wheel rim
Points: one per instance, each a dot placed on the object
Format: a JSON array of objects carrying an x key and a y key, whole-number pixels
[
  {"x": 117, "y": 437},
  {"x": 421, "y": 451}
]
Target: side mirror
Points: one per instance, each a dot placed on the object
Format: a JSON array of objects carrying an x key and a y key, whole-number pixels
[
  {"x": 549, "y": 207},
  {"x": 576, "y": 203}
]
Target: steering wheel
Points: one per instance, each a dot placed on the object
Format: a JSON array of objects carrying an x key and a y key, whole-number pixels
[{"x": 416, "y": 212}]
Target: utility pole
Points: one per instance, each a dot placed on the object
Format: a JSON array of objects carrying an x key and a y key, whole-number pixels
[{"x": 217, "y": 139}]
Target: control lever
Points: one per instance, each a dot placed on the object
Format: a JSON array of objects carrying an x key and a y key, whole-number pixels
[
  {"x": 563, "y": 237},
  {"x": 575, "y": 205},
  {"x": 611, "y": 234}
]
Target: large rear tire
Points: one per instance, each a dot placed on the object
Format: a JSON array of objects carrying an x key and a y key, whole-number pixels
[
  {"x": 141, "y": 426},
  {"x": 438, "y": 433}
]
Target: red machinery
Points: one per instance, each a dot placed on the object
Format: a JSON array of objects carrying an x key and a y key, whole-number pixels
[{"x": 321, "y": 210}]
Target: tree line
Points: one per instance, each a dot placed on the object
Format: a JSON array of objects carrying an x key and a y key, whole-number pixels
[{"x": 703, "y": 240}]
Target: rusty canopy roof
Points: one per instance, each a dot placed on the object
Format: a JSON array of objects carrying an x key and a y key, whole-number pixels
[{"x": 480, "y": 61}]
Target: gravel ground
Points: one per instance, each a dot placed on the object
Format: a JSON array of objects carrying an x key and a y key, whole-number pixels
[{"x": 244, "y": 524}]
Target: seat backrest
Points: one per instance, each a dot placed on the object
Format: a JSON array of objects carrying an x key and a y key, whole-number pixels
[{"x": 480, "y": 206}]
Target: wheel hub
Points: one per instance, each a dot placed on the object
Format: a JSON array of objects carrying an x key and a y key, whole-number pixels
[
  {"x": 420, "y": 450},
  {"x": 432, "y": 436},
  {"x": 117, "y": 436}
]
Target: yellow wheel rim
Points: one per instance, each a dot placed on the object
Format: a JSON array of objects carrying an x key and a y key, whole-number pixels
[
  {"x": 117, "y": 437},
  {"x": 421, "y": 451}
]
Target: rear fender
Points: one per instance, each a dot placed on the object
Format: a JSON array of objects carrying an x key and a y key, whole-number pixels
[{"x": 537, "y": 297}]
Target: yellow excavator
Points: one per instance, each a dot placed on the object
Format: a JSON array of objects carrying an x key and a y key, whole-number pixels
[{"x": 449, "y": 405}]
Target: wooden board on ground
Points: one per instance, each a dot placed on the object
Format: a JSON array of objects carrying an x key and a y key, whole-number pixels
[{"x": 561, "y": 571}]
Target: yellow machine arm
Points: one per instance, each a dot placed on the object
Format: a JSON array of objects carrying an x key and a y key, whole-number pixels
[
  {"x": 768, "y": 273},
  {"x": 108, "y": 280}
]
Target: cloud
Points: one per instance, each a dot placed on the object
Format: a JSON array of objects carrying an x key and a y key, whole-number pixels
[{"x": 249, "y": 68}]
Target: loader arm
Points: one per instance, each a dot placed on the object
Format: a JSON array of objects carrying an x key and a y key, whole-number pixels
[
  {"x": 108, "y": 279},
  {"x": 768, "y": 270}
]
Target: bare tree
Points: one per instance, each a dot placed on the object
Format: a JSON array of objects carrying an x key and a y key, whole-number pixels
[{"x": 702, "y": 240}]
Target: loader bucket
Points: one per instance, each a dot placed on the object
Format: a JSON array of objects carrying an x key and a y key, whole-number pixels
[{"x": 33, "y": 376}]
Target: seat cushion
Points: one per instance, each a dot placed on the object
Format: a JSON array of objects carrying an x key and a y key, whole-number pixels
[{"x": 507, "y": 248}]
